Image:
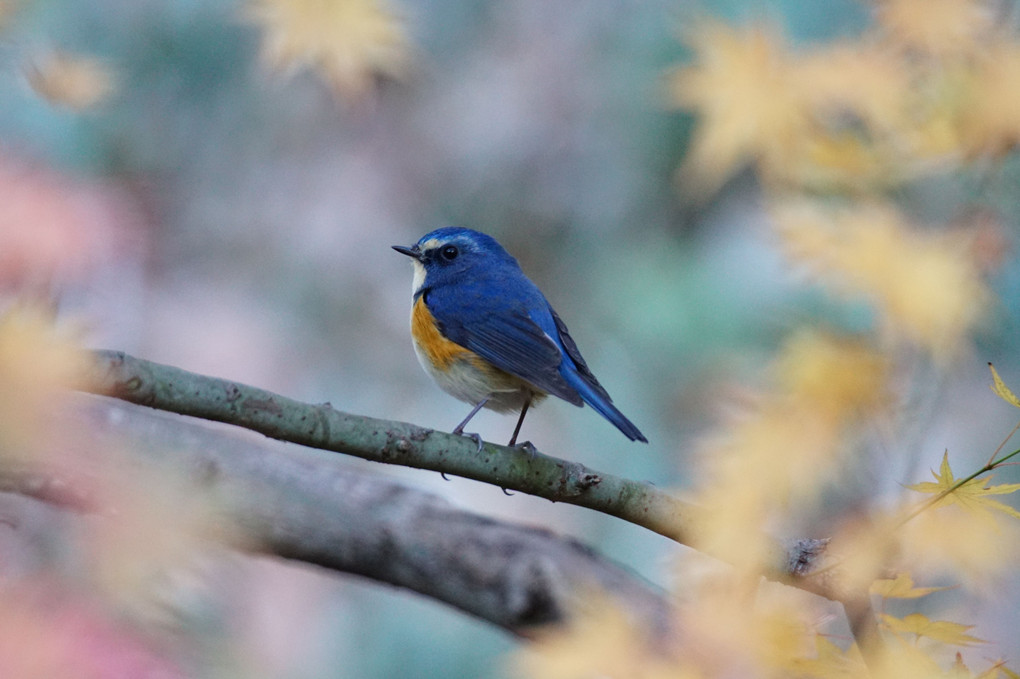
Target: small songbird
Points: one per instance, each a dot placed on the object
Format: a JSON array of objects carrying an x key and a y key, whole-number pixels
[{"x": 488, "y": 336}]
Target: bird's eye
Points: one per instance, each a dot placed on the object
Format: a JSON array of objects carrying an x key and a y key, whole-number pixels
[{"x": 449, "y": 253}]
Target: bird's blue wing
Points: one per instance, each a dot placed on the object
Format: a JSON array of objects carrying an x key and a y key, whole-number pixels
[
  {"x": 577, "y": 374},
  {"x": 495, "y": 319}
]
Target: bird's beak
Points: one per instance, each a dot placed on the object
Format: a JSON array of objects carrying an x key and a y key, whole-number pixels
[{"x": 412, "y": 251}]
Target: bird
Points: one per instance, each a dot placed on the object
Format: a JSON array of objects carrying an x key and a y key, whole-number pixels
[{"x": 487, "y": 335}]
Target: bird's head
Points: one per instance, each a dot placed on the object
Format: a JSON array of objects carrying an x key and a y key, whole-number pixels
[{"x": 453, "y": 253}]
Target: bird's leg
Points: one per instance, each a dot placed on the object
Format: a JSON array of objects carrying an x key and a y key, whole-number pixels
[
  {"x": 520, "y": 420},
  {"x": 459, "y": 429}
]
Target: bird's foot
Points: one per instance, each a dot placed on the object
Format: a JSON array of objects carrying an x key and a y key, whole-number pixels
[
  {"x": 528, "y": 447},
  {"x": 474, "y": 436}
]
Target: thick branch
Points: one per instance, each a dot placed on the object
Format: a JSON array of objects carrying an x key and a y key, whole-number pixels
[
  {"x": 321, "y": 426},
  {"x": 304, "y": 505}
]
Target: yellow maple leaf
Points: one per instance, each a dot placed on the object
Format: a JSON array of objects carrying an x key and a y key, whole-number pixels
[
  {"x": 787, "y": 445},
  {"x": 899, "y": 659},
  {"x": 949, "y": 540},
  {"x": 959, "y": 670},
  {"x": 902, "y": 587},
  {"x": 971, "y": 495},
  {"x": 734, "y": 623},
  {"x": 862, "y": 549},
  {"x": 830, "y": 662},
  {"x": 349, "y": 42},
  {"x": 39, "y": 362},
  {"x": 990, "y": 117},
  {"x": 925, "y": 284},
  {"x": 943, "y": 631},
  {"x": 1001, "y": 667},
  {"x": 941, "y": 27},
  {"x": 868, "y": 81},
  {"x": 749, "y": 104},
  {"x": 1001, "y": 390},
  {"x": 71, "y": 81},
  {"x": 839, "y": 376},
  {"x": 599, "y": 641}
]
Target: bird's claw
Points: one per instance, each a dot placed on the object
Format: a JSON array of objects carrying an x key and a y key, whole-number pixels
[
  {"x": 528, "y": 447},
  {"x": 474, "y": 436}
]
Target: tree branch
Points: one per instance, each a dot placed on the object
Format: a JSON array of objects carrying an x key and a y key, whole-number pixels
[
  {"x": 321, "y": 426},
  {"x": 304, "y": 505}
]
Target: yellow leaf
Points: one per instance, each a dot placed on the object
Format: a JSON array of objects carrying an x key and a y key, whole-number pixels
[
  {"x": 943, "y": 631},
  {"x": 959, "y": 670},
  {"x": 830, "y": 662},
  {"x": 971, "y": 495},
  {"x": 349, "y": 42},
  {"x": 997, "y": 668},
  {"x": 788, "y": 444},
  {"x": 925, "y": 285},
  {"x": 601, "y": 641},
  {"x": 39, "y": 362},
  {"x": 898, "y": 659},
  {"x": 840, "y": 376},
  {"x": 949, "y": 540},
  {"x": 940, "y": 27},
  {"x": 70, "y": 81},
  {"x": 1010, "y": 674},
  {"x": 1001, "y": 390},
  {"x": 750, "y": 106},
  {"x": 868, "y": 81},
  {"x": 902, "y": 587}
]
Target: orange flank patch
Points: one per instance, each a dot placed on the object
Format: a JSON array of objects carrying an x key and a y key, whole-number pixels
[{"x": 441, "y": 352}]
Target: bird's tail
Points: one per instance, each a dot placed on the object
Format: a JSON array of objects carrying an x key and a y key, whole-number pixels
[{"x": 597, "y": 398}]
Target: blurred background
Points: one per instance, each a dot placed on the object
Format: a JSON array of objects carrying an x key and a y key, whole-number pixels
[{"x": 201, "y": 200}]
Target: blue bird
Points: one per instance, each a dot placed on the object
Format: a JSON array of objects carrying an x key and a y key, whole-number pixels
[{"x": 487, "y": 335}]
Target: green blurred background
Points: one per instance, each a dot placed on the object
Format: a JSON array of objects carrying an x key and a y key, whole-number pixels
[{"x": 248, "y": 220}]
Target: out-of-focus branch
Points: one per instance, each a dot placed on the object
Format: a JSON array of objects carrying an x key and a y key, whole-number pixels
[
  {"x": 308, "y": 506},
  {"x": 321, "y": 426}
]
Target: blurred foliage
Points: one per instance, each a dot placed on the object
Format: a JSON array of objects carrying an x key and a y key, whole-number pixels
[{"x": 791, "y": 221}]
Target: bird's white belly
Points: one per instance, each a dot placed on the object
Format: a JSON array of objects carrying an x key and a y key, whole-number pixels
[{"x": 465, "y": 380}]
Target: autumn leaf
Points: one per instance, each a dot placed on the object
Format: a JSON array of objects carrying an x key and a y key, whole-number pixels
[
  {"x": 70, "y": 81},
  {"x": 787, "y": 444},
  {"x": 1001, "y": 390},
  {"x": 971, "y": 495},
  {"x": 865, "y": 80},
  {"x": 750, "y": 106},
  {"x": 990, "y": 122},
  {"x": 943, "y": 631},
  {"x": 939, "y": 27},
  {"x": 902, "y": 587},
  {"x": 1001, "y": 667},
  {"x": 39, "y": 362},
  {"x": 841, "y": 376},
  {"x": 349, "y": 42},
  {"x": 924, "y": 284},
  {"x": 950, "y": 541},
  {"x": 997, "y": 668},
  {"x": 600, "y": 641},
  {"x": 830, "y": 662}
]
